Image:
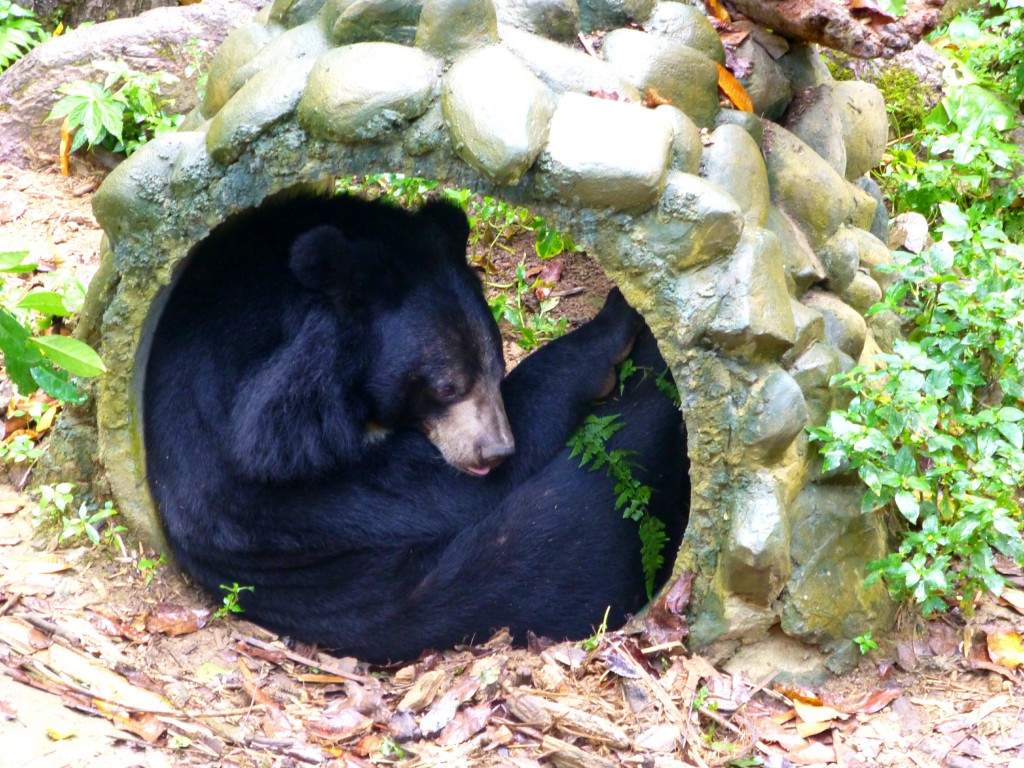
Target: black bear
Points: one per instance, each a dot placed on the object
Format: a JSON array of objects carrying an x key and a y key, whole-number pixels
[{"x": 326, "y": 420}]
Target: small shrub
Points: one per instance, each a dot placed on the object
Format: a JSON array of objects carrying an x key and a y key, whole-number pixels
[
  {"x": 34, "y": 361},
  {"x": 20, "y": 32},
  {"x": 936, "y": 429},
  {"x": 120, "y": 114}
]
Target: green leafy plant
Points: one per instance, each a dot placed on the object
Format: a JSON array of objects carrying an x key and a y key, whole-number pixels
[
  {"x": 962, "y": 154},
  {"x": 35, "y": 361},
  {"x": 532, "y": 328},
  {"x": 865, "y": 643},
  {"x": 230, "y": 603},
  {"x": 54, "y": 501},
  {"x": 20, "y": 32},
  {"x": 198, "y": 66},
  {"x": 120, "y": 114},
  {"x": 87, "y": 522},
  {"x": 148, "y": 567},
  {"x": 590, "y": 443},
  {"x": 935, "y": 429},
  {"x": 390, "y": 748}
]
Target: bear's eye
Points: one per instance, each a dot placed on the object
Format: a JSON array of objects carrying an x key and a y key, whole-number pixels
[{"x": 448, "y": 392}]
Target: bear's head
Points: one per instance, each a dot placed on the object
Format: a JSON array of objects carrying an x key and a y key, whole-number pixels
[{"x": 431, "y": 356}]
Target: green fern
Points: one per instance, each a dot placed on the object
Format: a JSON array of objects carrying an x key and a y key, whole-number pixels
[{"x": 589, "y": 442}]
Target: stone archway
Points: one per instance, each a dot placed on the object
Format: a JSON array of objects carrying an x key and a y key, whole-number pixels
[{"x": 751, "y": 249}]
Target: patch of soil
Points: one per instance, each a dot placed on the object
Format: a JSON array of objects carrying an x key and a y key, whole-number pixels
[{"x": 102, "y": 668}]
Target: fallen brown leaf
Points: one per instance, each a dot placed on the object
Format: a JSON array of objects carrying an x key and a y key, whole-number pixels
[
  {"x": 173, "y": 620},
  {"x": 796, "y": 693},
  {"x": 423, "y": 692},
  {"x": 1005, "y": 648},
  {"x": 339, "y": 727}
]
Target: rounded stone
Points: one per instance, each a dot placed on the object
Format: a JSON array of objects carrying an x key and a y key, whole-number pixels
[
  {"x": 874, "y": 255},
  {"x": 909, "y": 232},
  {"x": 365, "y": 91},
  {"x": 748, "y": 121},
  {"x": 864, "y": 206},
  {"x": 292, "y": 13},
  {"x": 766, "y": 83},
  {"x": 370, "y": 21},
  {"x": 554, "y": 19},
  {"x": 696, "y": 222},
  {"x": 813, "y": 117},
  {"x": 608, "y": 14},
  {"x": 862, "y": 293},
  {"x": 686, "y": 143},
  {"x": 775, "y": 414},
  {"x": 813, "y": 372},
  {"x": 134, "y": 195},
  {"x": 805, "y": 185},
  {"x": 605, "y": 154},
  {"x": 687, "y": 25},
  {"x": 306, "y": 41},
  {"x": 733, "y": 161},
  {"x": 840, "y": 257},
  {"x": 265, "y": 100},
  {"x": 449, "y": 28},
  {"x": 810, "y": 329},
  {"x": 880, "y": 221},
  {"x": 681, "y": 75},
  {"x": 237, "y": 49},
  {"x": 755, "y": 561},
  {"x": 754, "y": 318},
  {"x": 564, "y": 69},
  {"x": 845, "y": 327},
  {"x": 865, "y": 124},
  {"x": 497, "y": 112},
  {"x": 803, "y": 268},
  {"x": 804, "y": 66}
]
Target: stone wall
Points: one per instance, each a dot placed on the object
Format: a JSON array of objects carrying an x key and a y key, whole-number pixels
[{"x": 752, "y": 246}]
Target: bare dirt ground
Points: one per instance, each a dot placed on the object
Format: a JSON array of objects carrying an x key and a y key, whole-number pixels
[{"x": 101, "y": 668}]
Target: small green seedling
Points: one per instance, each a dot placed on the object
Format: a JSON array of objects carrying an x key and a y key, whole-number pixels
[
  {"x": 865, "y": 643},
  {"x": 231, "y": 600},
  {"x": 148, "y": 567},
  {"x": 86, "y": 522},
  {"x": 595, "y": 639}
]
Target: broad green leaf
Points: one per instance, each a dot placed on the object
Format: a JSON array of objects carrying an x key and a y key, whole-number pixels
[
  {"x": 74, "y": 356},
  {"x": 56, "y": 383},
  {"x": 908, "y": 505},
  {"x": 11, "y": 261},
  {"x": 45, "y": 302}
]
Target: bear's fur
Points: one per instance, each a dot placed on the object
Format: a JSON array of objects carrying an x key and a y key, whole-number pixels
[{"x": 326, "y": 420}]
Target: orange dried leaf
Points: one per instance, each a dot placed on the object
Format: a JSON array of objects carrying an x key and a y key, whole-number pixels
[
  {"x": 654, "y": 99},
  {"x": 65, "y": 144},
  {"x": 814, "y": 714},
  {"x": 806, "y": 730},
  {"x": 796, "y": 693},
  {"x": 1006, "y": 648},
  {"x": 715, "y": 8},
  {"x": 734, "y": 91}
]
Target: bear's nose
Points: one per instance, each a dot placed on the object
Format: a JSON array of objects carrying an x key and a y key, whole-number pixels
[{"x": 495, "y": 453}]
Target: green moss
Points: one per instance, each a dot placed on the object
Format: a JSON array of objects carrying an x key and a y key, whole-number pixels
[{"x": 904, "y": 95}]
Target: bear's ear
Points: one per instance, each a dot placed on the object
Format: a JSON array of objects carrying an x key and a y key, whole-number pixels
[
  {"x": 317, "y": 257},
  {"x": 452, "y": 222}
]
